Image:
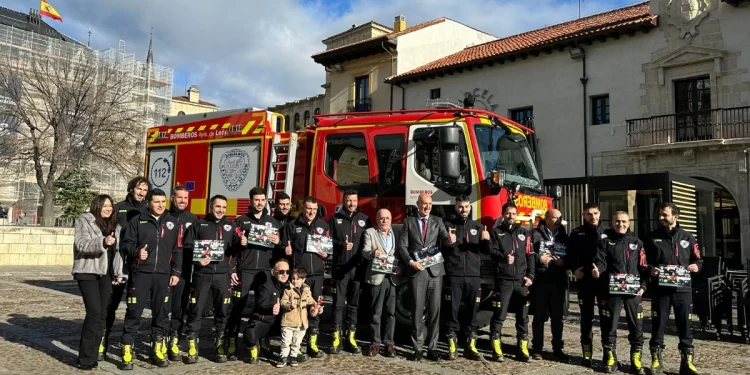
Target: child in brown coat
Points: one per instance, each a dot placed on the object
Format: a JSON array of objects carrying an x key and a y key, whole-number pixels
[{"x": 294, "y": 304}]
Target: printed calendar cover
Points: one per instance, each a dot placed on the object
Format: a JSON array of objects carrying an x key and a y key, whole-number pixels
[
  {"x": 258, "y": 235},
  {"x": 317, "y": 243},
  {"x": 623, "y": 283},
  {"x": 386, "y": 264},
  {"x": 213, "y": 249},
  {"x": 429, "y": 256},
  {"x": 674, "y": 276}
]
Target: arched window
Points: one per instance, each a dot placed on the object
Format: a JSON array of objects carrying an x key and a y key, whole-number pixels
[
  {"x": 181, "y": 113},
  {"x": 307, "y": 118},
  {"x": 296, "y": 121},
  {"x": 278, "y": 124},
  {"x": 317, "y": 111},
  {"x": 287, "y": 121}
]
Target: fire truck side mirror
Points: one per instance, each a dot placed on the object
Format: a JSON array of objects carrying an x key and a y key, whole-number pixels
[
  {"x": 449, "y": 136},
  {"x": 449, "y": 165}
]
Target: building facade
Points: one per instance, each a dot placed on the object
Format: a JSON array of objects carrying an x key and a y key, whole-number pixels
[
  {"x": 298, "y": 114},
  {"x": 191, "y": 104},
  {"x": 661, "y": 86}
]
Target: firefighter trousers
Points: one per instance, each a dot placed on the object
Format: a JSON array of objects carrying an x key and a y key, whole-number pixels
[
  {"x": 141, "y": 287},
  {"x": 243, "y": 297},
  {"x": 549, "y": 303},
  {"x": 315, "y": 282},
  {"x": 682, "y": 301},
  {"x": 207, "y": 285},
  {"x": 346, "y": 297},
  {"x": 633, "y": 314},
  {"x": 510, "y": 293},
  {"x": 178, "y": 304},
  {"x": 588, "y": 296},
  {"x": 467, "y": 290}
]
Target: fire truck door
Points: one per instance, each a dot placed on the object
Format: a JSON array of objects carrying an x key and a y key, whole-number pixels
[{"x": 389, "y": 144}]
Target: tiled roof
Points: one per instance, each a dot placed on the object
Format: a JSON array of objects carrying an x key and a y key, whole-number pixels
[
  {"x": 184, "y": 98},
  {"x": 389, "y": 36},
  {"x": 618, "y": 19}
]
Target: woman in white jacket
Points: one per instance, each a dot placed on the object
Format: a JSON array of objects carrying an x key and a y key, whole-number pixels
[{"x": 97, "y": 265}]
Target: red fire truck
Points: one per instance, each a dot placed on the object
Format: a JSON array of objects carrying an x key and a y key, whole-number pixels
[{"x": 389, "y": 157}]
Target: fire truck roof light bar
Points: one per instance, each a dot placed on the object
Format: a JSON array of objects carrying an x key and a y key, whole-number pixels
[{"x": 457, "y": 112}]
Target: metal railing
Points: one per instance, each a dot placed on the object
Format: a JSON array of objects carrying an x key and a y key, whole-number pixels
[
  {"x": 359, "y": 105},
  {"x": 721, "y": 123}
]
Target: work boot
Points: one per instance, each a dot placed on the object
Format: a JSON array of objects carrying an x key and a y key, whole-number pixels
[
  {"x": 192, "y": 352},
  {"x": 686, "y": 364},
  {"x": 609, "y": 358},
  {"x": 452, "y": 346},
  {"x": 158, "y": 353},
  {"x": 127, "y": 357},
  {"x": 560, "y": 355},
  {"x": 232, "y": 349},
  {"x": 586, "y": 355},
  {"x": 102, "y": 348},
  {"x": 636, "y": 366},
  {"x": 470, "y": 351},
  {"x": 174, "y": 348},
  {"x": 254, "y": 354},
  {"x": 221, "y": 354},
  {"x": 657, "y": 365},
  {"x": 351, "y": 342},
  {"x": 497, "y": 351},
  {"x": 523, "y": 350},
  {"x": 312, "y": 346},
  {"x": 336, "y": 343}
]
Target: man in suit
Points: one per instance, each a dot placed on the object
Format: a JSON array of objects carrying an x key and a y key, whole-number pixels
[
  {"x": 421, "y": 235},
  {"x": 380, "y": 244}
]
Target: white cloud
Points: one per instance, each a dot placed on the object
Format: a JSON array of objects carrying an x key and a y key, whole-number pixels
[{"x": 257, "y": 53}]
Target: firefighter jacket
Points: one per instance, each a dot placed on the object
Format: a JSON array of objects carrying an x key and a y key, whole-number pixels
[
  {"x": 353, "y": 227},
  {"x": 128, "y": 209},
  {"x": 583, "y": 243},
  {"x": 256, "y": 257},
  {"x": 268, "y": 294},
  {"x": 621, "y": 254},
  {"x": 543, "y": 238},
  {"x": 672, "y": 247},
  {"x": 184, "y": 220},
  {"x": 296, "y": 232},
  {"x": 462, "y": 258},
  {"x": 222, "y": 230},
  {"x": 161, "y": 235},
  {"x": 282, "y": 219},
  {"x": 514, "y": 240}
]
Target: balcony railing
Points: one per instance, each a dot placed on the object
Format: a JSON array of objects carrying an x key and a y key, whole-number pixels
[
  {"x": 359, "y": 105},
  {"x": 686, "y": 127}
]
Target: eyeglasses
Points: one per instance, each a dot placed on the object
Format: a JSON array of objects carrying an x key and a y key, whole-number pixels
[{"x": 283, "y": 272}]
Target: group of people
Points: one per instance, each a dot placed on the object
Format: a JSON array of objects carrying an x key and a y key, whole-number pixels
[{"x": 162, "y": 255}]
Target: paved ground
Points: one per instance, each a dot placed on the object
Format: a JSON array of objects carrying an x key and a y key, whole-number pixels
[{"x": 41, "y": 313}]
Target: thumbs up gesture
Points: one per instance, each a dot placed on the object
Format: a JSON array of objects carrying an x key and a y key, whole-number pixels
[
  {"x": 277, "y": 307},
  {"x": 110, "y": 240},
  {"x": 143, "y": 254},
  {"x": 595, "y": 271},
  {"x": 485, "y": 234},
  {"x": 452, "y": 235},
  {"x": 511, "y": 258},
  {"x": 243, "y": 241},
  {"x": 348, "y": 244},
  {"x": 288, "y": 248}
]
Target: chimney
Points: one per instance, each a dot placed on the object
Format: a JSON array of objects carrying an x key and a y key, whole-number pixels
[
  {"x": 193, "y": 94},
  {"x": 399, "y": 24}
]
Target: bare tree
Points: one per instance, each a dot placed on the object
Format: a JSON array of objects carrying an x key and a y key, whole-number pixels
[{"x": 68, "y": 110}]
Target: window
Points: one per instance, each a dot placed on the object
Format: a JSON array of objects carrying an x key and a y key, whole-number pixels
[
  {"x": 435, "y": 93},
  {"x": 693, "y": 109},
  {"x": 287, "y": 121},
  {"x": 390, "y": 152},
  {"x": 600, "y": 109},
  {"x": 317, "y": 111},
  {"x": 346, "y": 159},
  {"x": 307, "y": 118},
  {"x": 427, "y": 154},
  {"x": 523, "y": 116},
  {"x": 181, "y": 113},
  {"x": 296, "y": 121},
  {"x": 361, "y": 102},
  {"x": 278, "y": 124}
]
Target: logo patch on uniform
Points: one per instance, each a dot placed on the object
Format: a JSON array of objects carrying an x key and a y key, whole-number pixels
[
  {"x": 187, "y": 225},
  {"x": 473, "y": 232},
  {"x": 604, "y": 236},
  {"x": 361, "y": 223},
  {"x": 143, "y": 222},
  {"x": 633, "y": 246},
  {"x": 684, "y": 244},
  {"x": 298, "y": 229},
  {"x": 320, "y": 230},
  {"x": 339, "y": 221},
  {"x": 227, "y": 227},
  {"x": 170, "y": 225},
  {"x": 521, "y": 237}
]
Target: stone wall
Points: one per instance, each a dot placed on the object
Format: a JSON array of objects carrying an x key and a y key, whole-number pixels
[{"x": 36, "y": 246}]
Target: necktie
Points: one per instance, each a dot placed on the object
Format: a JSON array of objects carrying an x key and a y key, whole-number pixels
[{"x": 424, "y": 228}]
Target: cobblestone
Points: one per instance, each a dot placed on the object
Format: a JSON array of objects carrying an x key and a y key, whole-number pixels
[{"x": 41, "y": 313}]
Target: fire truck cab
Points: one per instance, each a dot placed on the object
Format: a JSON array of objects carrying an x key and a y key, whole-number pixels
[{"x": 388, "y": 157}]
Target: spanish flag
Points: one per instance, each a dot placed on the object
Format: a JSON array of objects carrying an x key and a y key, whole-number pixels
[{"x": 47, "y": 10}]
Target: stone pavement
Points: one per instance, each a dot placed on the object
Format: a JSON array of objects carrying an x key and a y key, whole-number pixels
[{"x": 41, "y": 314}]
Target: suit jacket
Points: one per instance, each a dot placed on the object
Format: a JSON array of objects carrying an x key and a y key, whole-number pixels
[
  {"x": 374, "y": 241},
  {"x": 411, "y": 241}
]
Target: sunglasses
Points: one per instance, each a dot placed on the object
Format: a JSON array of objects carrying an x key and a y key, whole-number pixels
[{"x": 283, "y": 272}]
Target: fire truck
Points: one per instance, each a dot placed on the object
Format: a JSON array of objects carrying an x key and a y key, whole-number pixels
[{"x": 388, "y": 157}]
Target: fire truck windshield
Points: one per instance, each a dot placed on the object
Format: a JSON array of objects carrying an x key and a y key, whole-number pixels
[{"x": 499, "y": 152}]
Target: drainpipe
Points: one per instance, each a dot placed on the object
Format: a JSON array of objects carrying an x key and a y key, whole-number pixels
[
  {"x": 579, "y": 53},
  {"x": 393, "y": 70},
  {"x": 747, "y": 180}
]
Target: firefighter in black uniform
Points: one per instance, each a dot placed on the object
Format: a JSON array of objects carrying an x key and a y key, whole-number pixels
[
  {"x": 211, "y": 274},
  {"x": 550, "y": 283},
  {"x": 126, "y": 210},
  {"x": 295, "y": 237},
  {"x": 621, "y": 253},
  {"x": 347, "y": 227},
  {"x": 512, "y": 249},
  {"x": 463, "y": 265},
  {"x": 672, "y": 245},
  {"x": 282, "y": 212},
  {"x": 151, "y": 241},
  {"x": 582, "y": 246},
  {"x": 180, "y": 293},
  {"x": 252, "y": 265}
]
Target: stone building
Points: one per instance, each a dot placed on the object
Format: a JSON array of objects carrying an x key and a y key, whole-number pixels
[
  {"x": 298, "y": 113},
  {"x": 661, "y": 86},
  {"x": 191, "y": 104}
]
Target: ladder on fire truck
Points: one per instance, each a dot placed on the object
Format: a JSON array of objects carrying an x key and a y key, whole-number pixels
[{"x": 281, "y": 173}]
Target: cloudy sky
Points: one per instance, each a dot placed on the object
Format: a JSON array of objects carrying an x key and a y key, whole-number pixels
[{"x": 256, "y": 53}]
